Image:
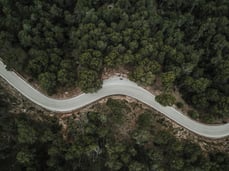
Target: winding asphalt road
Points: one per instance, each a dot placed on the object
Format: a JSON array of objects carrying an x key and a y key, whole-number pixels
[{"x": 112, "y": 86}]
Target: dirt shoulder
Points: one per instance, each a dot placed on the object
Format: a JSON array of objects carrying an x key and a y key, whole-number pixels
[
  {"x": 23, "y": 105},
  {"x": 160, "y": 122},
  {"x": 155, "y": 89}
]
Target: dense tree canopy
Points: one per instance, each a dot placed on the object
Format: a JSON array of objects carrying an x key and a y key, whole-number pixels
[{"x": 185, "y": 43}]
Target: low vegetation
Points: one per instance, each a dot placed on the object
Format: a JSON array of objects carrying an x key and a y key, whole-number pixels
[
  {"x": 92, "y": 141},
  {"x": 166, "y": 99}
]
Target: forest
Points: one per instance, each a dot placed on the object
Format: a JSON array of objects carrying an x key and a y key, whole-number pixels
[
  {"x": 37, "y": 142},
  {"x": 66, "y": 43}
]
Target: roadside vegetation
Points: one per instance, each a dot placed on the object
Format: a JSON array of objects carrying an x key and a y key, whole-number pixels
[
  {"x": 63, "y": 43},
  {"x": 102, "y": 138}
]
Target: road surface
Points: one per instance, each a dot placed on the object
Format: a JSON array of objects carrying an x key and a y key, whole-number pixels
[{"x": 112, "y": 86}]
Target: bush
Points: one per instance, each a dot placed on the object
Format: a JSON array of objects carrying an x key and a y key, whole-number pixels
[
  {"x": 180, "y": 105},
  {"x": 193, "y": 114},
  {"x": 145, "y": 120},
  {"x": 165, "y": 99}
]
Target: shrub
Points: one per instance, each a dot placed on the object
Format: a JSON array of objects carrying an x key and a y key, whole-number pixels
[{"x": 165, "y": 99}]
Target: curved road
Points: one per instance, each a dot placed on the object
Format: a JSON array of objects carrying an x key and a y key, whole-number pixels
[{"x": 112, "y": 86}]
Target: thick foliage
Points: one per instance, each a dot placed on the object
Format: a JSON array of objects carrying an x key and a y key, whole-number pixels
[{"x": 64, "y": 42}]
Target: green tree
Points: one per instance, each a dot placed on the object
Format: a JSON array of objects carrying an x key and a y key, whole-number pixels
[
  {"x": 198, "y": 85},
  {"x": 47, "y": 81},
  {"x": 24, "y": 158},
  {"x": 145, "y": 120},
  {"x": 14, "y": 58},
  {"x": 177, "y": 164},
  {"x": 25, "y": 38},
  {"x": 167, "y": 79},
  {"x": 165, "y": 99},
  {"x": 89, "y": 80},
  {"x": 26, "y": 134},
  {"x": 136, "y": 166}
]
